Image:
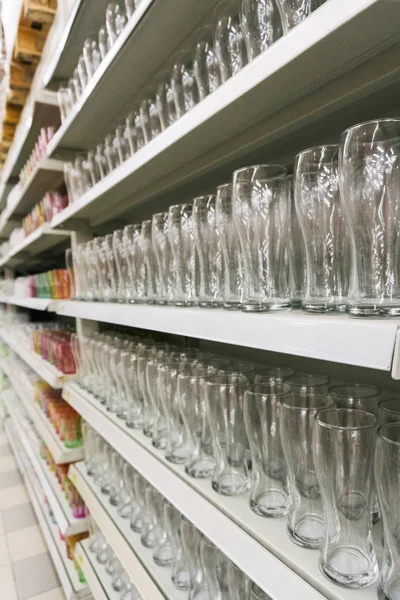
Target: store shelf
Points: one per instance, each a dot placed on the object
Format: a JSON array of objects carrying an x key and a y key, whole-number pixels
[
  {"x": 288, "y": 98},
  {"x": 40, "y": 110},
  {"x": 45, "y": 370},
  {"x": 85, "y": 20},
  {"x": 336, "y": 338},
  {"x": 33, "y": 303},
  {"x": 260, "y": 547},
  {"x": 96, "y": 575},
  {"x": 47, "y": 176},
  {"x": 67, "y": 523},
  {"x": 137, "y": 560},
  {"x": 43, "y": 238}
]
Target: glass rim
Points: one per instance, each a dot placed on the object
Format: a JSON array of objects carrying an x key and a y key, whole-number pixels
[
  {"x": 251, "y": 390},
  {"x": 374, "y": 389},
  {"x": 382, "y": 436},
  {"x": 309, "y": 375},
  {"x": 389, "y": 410},
  {"x": 370, "y": 122},
  {"x": 282, "y": 168},
  {"x": 220, "y": 379},
  {"x": 346, "y": 427},
  {"x": 223, "y": 185},
  {"x": 311, "y": 148},
  {"x": 324, "y": 406}
]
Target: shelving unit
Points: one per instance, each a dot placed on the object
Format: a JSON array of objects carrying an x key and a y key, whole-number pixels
[
  {"x": 32, "y": 303},
  {"x": 136, "y": 559},
  {"x": 43, "y": 238},
  {"x": 96, "y": 575}
]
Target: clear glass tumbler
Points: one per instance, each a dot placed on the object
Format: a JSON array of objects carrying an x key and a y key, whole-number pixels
[
  {"x": 296, "y": 253},
  {"x": 162, "y": 253},
  {"x": 370, "y": 184},
  {"x": 269, "y": 495},
  {"x": 183, "y": 83},
  {"x": 343, "y": 449},
  {"x": 322, "y": 219},
  {"x": 181, "y": 238},
  {"x": 260, "y": 210},
  {"x": 180, "y": 567},
  {"x": 239, "y": 584},
  {"x": 306, "y": 516},
  {"x": 389, "y": 411},
  {"x": 295, "y": 11},
  {"x": 261, "y": 23},
  {"x": 232, "y": 279},
  {"x": 229, "y": 41},
  {"x": 387, "y": 480},
  {"x": 206, "y": 67},
  {"x": 224, "y": 405}
]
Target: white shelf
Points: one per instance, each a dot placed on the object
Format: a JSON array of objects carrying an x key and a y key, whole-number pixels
[
  {"x": 61, "y": 454},
  {"x": 44, "y": 369},
  {"x": 260, "y": 547},
  {"x": 66, "y": 522},
  {"x": 47, "y": 176},
  {"x": 288, "y": 98},
  {"x": 137, "y": 560},
  {"x": 33, "y": 303},
  {"x": 96, "y": 575},
  {"x": 337, "y": 338},
  {"x": 43, "y": 238}
]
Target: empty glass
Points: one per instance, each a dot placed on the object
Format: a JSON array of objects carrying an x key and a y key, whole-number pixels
[
  {"x": 389, "y": 411},
  {"x": 261, "y": 24},
  {"x": 229, "y": 41},
  {"x": 183, "y": 83},
  {"x": 387, "y": 480},
  {"x": 239, "y": 584},
  {"x": 180, "y": 566},
  {"x": 260, "y": 211},
  {"x": 91, "y": 56},
  {"x": 344, "y": 446},
  {"x": 296, "y": 253},
  {"x": 232, "y": 277},
  {"x": 225, "y": 398},
  {"x": 206, "y": 67},
  {"x": 370, "y": 180},
  {"x": 321, "y": 216},
  {"x": 269, "y": 495},
  {"x": 295, "y": 11},
  {"x": 181, "y": 238},
  {"x": 208, "y": 251},
  {"x": 358, "y": 396},
  {"x": 306, "y": 516}
]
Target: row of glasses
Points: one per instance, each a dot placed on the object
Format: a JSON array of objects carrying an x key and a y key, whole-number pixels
[
  {"x": 240, "y": 30},
  {"x": 252, "y": 430},
  {"x": 94, "y": 51},
  {"x": 196, "y": 565},
  {"x": 104, "y": 555}
]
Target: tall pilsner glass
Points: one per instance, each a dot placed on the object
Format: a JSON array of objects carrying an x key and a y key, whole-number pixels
[{"x": 370, "y": 185}]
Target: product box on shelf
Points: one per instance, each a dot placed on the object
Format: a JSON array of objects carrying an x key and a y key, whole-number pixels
[{"x": 40, "y": 11}]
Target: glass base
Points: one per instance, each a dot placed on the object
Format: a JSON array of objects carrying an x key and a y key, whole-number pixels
[
  {"x": 137, "y": 525},
  {"x": 181, "y": 579},
  {"x": 232, "y": 484},
  {"x": 322, "y": 307},
  {"x": 132, "y": 424},
  {"x": 349, "y": 567},
  {"x": 160, "y": 443},
  {"x": 308, "y": 532},
  {"x": 148, "y": 431},
  {"x": 232, "y": 305},
  {"x": 161, "y": 302},
  {"x": 273, "y": 503},
  {"x": 392, "y": 592},
  {"x": 373, "y": 310},
  {"x": 183, "y": 303},
  {"x": 125, "y": 511},
  {"x": 210, "y": 304},
  {"x": 258, "y": 307},
  {"x": 163, "y": 557},
  {"x": 178, "y": 456},
  {"x": 201, "y": 469}
]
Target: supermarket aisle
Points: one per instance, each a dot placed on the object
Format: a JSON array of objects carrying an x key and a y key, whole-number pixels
[{"x": 26, "y": 568}]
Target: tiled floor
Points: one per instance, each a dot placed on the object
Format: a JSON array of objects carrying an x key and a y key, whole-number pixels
[{"x": 26, "y": 569}]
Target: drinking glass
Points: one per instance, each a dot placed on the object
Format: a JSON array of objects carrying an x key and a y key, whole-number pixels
[
  {"x": 183, "y": 83},
  {"x": 150, "y": 262},
  {"x": 260, "y": 211},
  {"x": 163, "y": 554},
  {"x": 296, "y": 253},
  {"x": 176, "y": 445},
  {"x": 208, "y": 251},
  {"x": 165, "y": 100},
  {"x": 104, "y": 42},
  {"x": 110, "y": 153},
  {"x": 152, "y": 533},
  {"x": 101, "y": 161},
  {"x": 197, "y": 441},
  {"x": 190, "y": 540},
  {"x": 306, "y": 517},
  {"x": 232, "y": 278},
  {"x": 343, "y": 447},
  {"x": 180, "y": 567},
  {"x": 229, "y": 41},
  {"x": 269, "y": 495},
  {"x": 63, "y": 102},
  {"x": 181, "y": 238},
  {"x": 130, "y": 7},
  {"x": 91, "y": 56},
  {"x": 387, "y": 480},
  {"x": 91, "y": 167},
  {"x": 224, "y": 406},
  {"x": 111, "y": 288},
  {"x": 162, "y": 252},
  {"x": 303, "y": 384},
  {"x": 295, "y": 11},
  {"x": 134, "y": 414},
  {"x": 369, "y": 180},
  {"x": 136, "y": 264},
  {"x": 358, "y": 395},
  {"x": 258, "y": 594},
  {"x": 121, "y": 264},
  {"x": 239, "y": 584},
  {"x": 207, "y": 586},
  {"x": 121, "y": 143},
  {"x": 389, "y": 411},
  {"x": 206, "y": 67},
  {"x": 273, "y": 375},
  {"x": 115, "y": 21},
  {"x": 261, "y": 24},
  {"x": 140, "y": 517},
  {"x": 321, "y": 216},
  {"x": 81, "y": 74}
]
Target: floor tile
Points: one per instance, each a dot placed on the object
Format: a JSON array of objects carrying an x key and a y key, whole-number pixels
[
  {"x": 10, "y": 478},
  {"x": 25, "y": 543},
  {"x": 4, "y": 554},
  {"x": 18, "y": 517},
  {"x": 2, "y": 532},
  {"x": 35, "y": 575},
  {"x": 12, "y": 496},
  {"x": 56, "y": 594},
  {"x": 5, "y": 450},
  {"x": 3, "y": 438},
  {"x": 8, "y": 590},
  {"x": 7, "y": 463}
]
